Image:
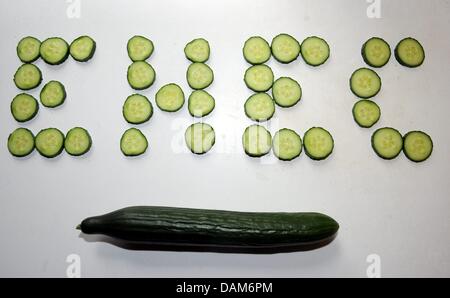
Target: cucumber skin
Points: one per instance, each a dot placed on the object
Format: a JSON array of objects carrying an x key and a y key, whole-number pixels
[
  {"x": 26, "y": 89},
  {"x": 63, "y": 59},
  {"x": 326, "y": 59},
  {"x": 364, "y": 97},
  {"x": 399, "y": 60},
  {"x": 57, "y": 153},
  {"x": 34, "y": 145},
  {"x": 306, "y": 149},
  {"x": 90, "y": 55},
  {"x": 29, "y": 118},
  {"x": 169, "y": 225},
  {"x": 286, "y": 62},
  {"x": 404, "y": 149},
  {"x": 363, "y": 54},
  {"x": 373, "y": 145}
]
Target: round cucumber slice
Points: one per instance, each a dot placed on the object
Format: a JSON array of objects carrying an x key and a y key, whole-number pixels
[
  {"x": 387, "y": 142},
  {"x": 197, "y": 50},
  {"x": 417, "y": 146},
  {"x": 200, "y": 138},
  {"x": 53, "y": 94},
  {"x": 376, "y": 52},
  {"x": 50, "y": 142},
  {"x": 256, "y": 50},
  {"x": 287, "y": 144},
  {"x": 200, "y": 103},
  {"x": 286, "y": 92},
  {"x": 82, "y": 49},
  {"x": 21, "y": 142},
  {"x": 319, "y": 143},
  {"x": 140, "y": 75},
  {"x": 54, "y": 50},
  {"x": 170, "y": 98},
  {"x": 133, "y": 142},
  {"x": 410, "y": 53},
  {"x": 24, "y": 107},
  {"x": 315, "y": 51},
  {"x": 365, "y": 83},
  {"x": 259, "y": 107},
  {"x": 77, "y": 141},
  {"x": 139, "y": 48},
  {"x": 259, "y": 78},
  {"x": 199, "y": 76},
  {"x": 257, "y": 141},
  {"x": 285, "y": 48},
  {"x": 366, "y": 113},
  {"x": 28, "y": 49},
  {"x": 27, "y": 77},
  {"x": 137, "y": 109}
]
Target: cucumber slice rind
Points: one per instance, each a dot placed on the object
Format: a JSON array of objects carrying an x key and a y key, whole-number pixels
[
  {"x": 170, "y": 98},
  {"x": 293, "y": 96},
  {"x": 261, "y": 145},
  {"x": 200, "y": 103},
  {"x": 49, "y": 142},
  {"x": 324, "y": 50},
  {"x": 408, "y": 150},
  {"x": 207, "y": 135},
  {"x": 133, "y": 142},
  {"x": 28, "y": 76},
  {"x": 259, "y": 78},
  {"x": 137, "y": 109},
  {"x": 28, "y": 49},
  {"x": 259, "y": 107},
  {"x": 395, "y": 148},
  {"x": 197, "y": 50},
  {"x": 256, "y": 50},
  {"x": 27, "y": 112},
  {"x": 79, "y": 47},
  {"x": 140, "y": 75},
  {"x": 53, "y": 98},
  {"x": 281, "y": 54},
  {"x": 367, "y": 56},
  {"x": 370, "y": 93},
  {"x": 199, "y": 76},
  {"x": 77, "y": 141},
  {"x": 23, "y": 146},
  {"x": 402, "y": 61},
  {"x": 290, "y": 147},
  {"x": 49, "y": 45},
  {"x": 375, "y": 113},
  {"x": 327, "y": 143},
  {"x": 139, "y": 48}
]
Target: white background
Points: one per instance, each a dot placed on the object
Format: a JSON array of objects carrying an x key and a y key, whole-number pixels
[{"x": 396, "y": 209}]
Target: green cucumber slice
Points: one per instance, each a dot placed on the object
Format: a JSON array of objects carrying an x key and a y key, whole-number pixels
[
  {"x": 140, "y": 75},
  {"x": 365, "y": 83},
  {"x": 21, "y": 142},
  {"x": 24, "y": 107},
  {"x": 286, "y": 92},
  {"x": 319, "y": 143},
  {"x": 387, "y": 142},
  {"x": 199, "y": 76},
  {"x": 27, "y": 77},
  {"x": 315, "y": 51},
  {"x": 137, "y": 109},
  {"x": 28, "y": 49},
  {"x": 50, "y": 142},
  {"x": 82, "y": 49},
  {"x": 376, "y": 52},
  {"x": 200, "y": 103},
  {"x": 133, "y": 142},
  {"x": 256, "y": 50},
  {"x": 417, "y": 146},
  {"x": 200, "y": 138},
  {"x": 285, "y": 48},
  {"x": 259, "y": 78},
  {"x": 54, "y": 50},
  {"x": 259, "y": 107},
  {"x": 53, "y": 94},
  {"x": 287, "y": 144},
  {"x": 410, "y": 53},
  {"x": 139, "y": 48},
  {"x": 257, "y": 141},
  {"x": 77, "y": 141},
  {"x": 197, "y": 50},
  {"x": 170, "y": 98},
  {"x": 366, "y": 113}
]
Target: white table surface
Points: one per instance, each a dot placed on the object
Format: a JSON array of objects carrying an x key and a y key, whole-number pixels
[{"x": 396, "y": 209}]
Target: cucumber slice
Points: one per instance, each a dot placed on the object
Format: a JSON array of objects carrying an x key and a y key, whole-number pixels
[
  {"x": 54, "y": 50},
  {"x": 410, "y": 53},
  {"x": 199, "y": 76},
  {"x": 197, "y": 50},
  {"x": 417, "y": 146},
  {"x": 170, "y": 98},
  {"x": 256, "y": 50},
  {"x": 82, "y": 49},
  {"x": 24, "y": 107},
  {"x": 257, "y": 141},
  {"x": 366, "y": 113},
  {"x": 376, "y": 52},
  {"x": 200, "y": 103},
  {"x": 259, "y": 78},
  {"x": 259, "y": 107},
  {"x": 285, "y": 48},
  {"x": 133, "y": 142},
  {"x": 200, "y": 138},
  {"x": 50, "y": 142},
  {"x": 140, "y": 75},
  {"x": 139, "y": 48},
  {"x": 53, "y": 94},
  {"x": 365, "y": 83},
  {"x": 21, "y": 142},
  {"x": 387, "y": 142},
  {"x": 27, "y": 77},
  {"x": 287, "y": 144},
  {"x": 137, "y": 109},
  {"x": 28, "y": 49},
  {"x": 77, "y": 141},
  {"x": 315, "y": 51},
  {"x": 319, "y": 143},
  {"x": 286, "y": 92}
]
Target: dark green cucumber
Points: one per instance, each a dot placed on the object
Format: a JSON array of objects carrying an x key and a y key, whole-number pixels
[{"x": 213, "y": 228}]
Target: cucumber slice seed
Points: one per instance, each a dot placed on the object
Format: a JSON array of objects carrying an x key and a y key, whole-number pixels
[
  {"x": 200, "y": 103},
  {"x": 286, "y": 92},
  {"x": 140, "y": 75},
  {"x": 133, "y": 142},
  {"x": 259, "y": 107},
  {"x": 387, "y": 142},
  {"x": 319, "y": 143},
  {"x": 199, "y": 76},
  {"x": 50, "y": 142},
  {"x": 21, "y": 142},
  {"x": 366, "y": 113},
  {"x": 256, "y": 50},
  {"x": 139, "y": 48},
  {"x": 27, "y": 77},
  {"x": 54, "y": 50},
  {"x": 257, "y": 141},
  {"x": 24, "y": 107},
  {"x": 376, "y": 52},
  {"x": 170, "y": 98},
  {"x": 197, "y": 50},
  {"x": 287, "y": 144},
  {"x": 259, "y": 78},
  {"x": 365, "y": 83},
  {"x": 285, "y": 48},
  {"x": 200, "y": 138},
  {"x": 410, "y": 53},
  {"x": 77, "y": 141},
  {"x": 28, "y": 49},
  {"x": 137, "y": 109},
  {"x": 315, "y": 51},
  {"x": 53, "y": 94},
  {"x": 417, "y": 146},
  {"x": 83, "y": 48}
]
